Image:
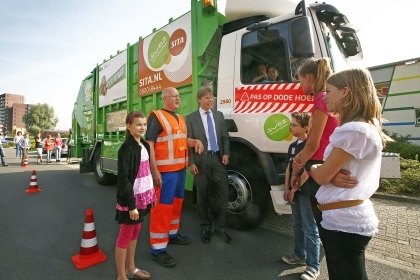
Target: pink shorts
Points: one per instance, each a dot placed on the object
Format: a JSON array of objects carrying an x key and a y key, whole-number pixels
[{"x": 127, "y": 234}]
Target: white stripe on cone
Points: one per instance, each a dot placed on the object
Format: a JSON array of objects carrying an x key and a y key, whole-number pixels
[{"x": 87, "y": 243}]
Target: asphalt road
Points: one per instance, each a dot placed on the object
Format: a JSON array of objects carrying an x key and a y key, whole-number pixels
[{"x": 40, "y": 232}]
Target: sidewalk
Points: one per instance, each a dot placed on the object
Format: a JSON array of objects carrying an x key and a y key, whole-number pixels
[{"x": 398, "y": 242}]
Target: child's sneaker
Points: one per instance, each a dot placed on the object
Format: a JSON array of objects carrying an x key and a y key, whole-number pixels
[
  {"x": 310, "y": 274},
  {"x": 293, "y": 259}
]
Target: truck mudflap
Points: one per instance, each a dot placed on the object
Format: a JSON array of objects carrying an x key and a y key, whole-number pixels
[{"x": 85, "y": 164}]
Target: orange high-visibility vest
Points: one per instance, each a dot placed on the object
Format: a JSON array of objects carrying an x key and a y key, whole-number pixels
[{"x": 171, "y": 150}]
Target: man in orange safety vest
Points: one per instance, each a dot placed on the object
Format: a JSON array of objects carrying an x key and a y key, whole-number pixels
[{"x": 167, "y": 137}]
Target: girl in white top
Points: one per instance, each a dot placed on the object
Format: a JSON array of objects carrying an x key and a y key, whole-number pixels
[{"x": 356, "y": 146}]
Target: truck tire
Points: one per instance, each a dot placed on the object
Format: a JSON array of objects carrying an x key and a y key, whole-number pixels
[
  {"x": 248, "y": 192},
  {"x": 102, "y": 178}
]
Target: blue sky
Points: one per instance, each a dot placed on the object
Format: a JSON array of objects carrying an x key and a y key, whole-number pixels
[{"x": 47, "y": 47}]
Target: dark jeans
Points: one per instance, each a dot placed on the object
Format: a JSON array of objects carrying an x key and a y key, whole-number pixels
[
  {"x": 310, "y": 188},
  {"x": 2, "y": 155},
  {"x": 69, "y": 148},
  {"x": 345, "y": 254}
]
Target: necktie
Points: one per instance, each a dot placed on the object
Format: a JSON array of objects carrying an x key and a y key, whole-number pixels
[{"x": 213, "y": 144}]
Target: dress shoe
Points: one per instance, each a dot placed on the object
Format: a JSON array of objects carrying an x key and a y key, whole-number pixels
[
  {"x": 224, "y": 236},
  {"x": 164, "y": 259},
  {"x": 180, "y": 240},
  {"x": 205, "y": 236}
]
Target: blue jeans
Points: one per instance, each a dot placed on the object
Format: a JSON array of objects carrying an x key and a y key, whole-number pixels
[
  {"x": 49, "y": 152},
  {"x": 18, "y": 151},
  {"x": 307, "y": 243},
  {"x": 345, "y": 254},
  {"x": 58, "y": 153}
]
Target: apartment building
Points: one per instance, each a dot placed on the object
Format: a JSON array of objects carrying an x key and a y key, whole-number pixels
[{"x": 12, "y": 109}]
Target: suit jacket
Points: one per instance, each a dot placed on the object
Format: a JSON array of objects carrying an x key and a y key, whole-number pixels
[{"x": 196, "y": 130}]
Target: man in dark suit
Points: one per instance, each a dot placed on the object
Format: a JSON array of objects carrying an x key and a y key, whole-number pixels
[{"x": 210, "y": 175}]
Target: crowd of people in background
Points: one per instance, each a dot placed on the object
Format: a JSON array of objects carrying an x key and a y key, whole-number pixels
[{"x": 49, "y": 145}]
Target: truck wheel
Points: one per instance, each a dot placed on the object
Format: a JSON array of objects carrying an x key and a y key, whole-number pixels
[
  {"x": 102, "y": 178},
  {"x": 248, "y": 193}
]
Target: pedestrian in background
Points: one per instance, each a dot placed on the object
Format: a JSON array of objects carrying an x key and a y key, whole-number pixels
[
  {"x": 58, "y": 143},
  {"x": 2, "y": 153},
  {"x": 25, "y": 145},
  {"x": 167, "y": 137},
  {"x": 209, "y": 168},
  {"x": 70, "y": 144},
  {"x": 135, "y": 195},
  {"x": 17, "y": 138},
  {"x": 38, "y": 147},
  {"x": 49, "y": 145}
]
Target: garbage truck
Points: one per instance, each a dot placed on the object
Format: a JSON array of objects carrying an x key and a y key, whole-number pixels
[{"x": 221, "y": 49}]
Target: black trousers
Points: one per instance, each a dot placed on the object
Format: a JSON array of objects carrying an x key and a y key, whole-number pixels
[
  {"x": 212, "y": 193},
  {"x": 69, "y": 148},
  {"x": 345, "y": 254}
]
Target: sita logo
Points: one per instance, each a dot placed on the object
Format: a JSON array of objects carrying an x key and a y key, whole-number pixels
[{"x": 162, "y": 47}]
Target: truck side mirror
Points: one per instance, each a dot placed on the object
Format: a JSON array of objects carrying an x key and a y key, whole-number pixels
[{"x": 301, "y": 38}]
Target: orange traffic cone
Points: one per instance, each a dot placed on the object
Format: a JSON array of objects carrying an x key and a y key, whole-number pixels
[
  {"x": 25, "y": 162},
  {"x": 89, "y": 254},
  {"x": 33, "y": 184}
]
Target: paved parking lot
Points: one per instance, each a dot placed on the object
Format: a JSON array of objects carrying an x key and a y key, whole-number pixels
[{"x": 398, "y": 242}]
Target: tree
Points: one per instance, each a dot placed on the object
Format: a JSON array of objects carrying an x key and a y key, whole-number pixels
[{"x": 39, "y": 117}]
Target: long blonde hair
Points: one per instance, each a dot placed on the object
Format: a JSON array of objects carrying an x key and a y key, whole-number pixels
[{"x": 361, "y": 102}]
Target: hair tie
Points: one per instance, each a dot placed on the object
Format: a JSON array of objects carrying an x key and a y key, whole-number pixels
[{"x": 132, "y": 116}]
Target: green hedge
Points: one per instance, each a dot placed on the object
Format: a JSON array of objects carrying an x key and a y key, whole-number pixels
[{"x": 409, "y": 183}]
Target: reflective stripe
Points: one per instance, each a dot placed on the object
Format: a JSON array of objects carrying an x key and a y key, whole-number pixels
[
  {"x": 158, "y": 235},
  {"x": 173, "y": 231},
  {"x": 174, "y": 222},
  {"x": 170, "y": 161},
  {"x": 158, "y": 246},
  {"x": 174, "y": 136},
  {"x": 170, "y": 139},
  {"x": 87, "y": 243},
  {"x": 175, "y": 155},
  {"x": 89, "y": 227}
]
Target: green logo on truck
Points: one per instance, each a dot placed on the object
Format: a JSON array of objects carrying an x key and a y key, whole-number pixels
[
  {"x": 158, "y": 52},
  {"x": 276, "y": 128}
]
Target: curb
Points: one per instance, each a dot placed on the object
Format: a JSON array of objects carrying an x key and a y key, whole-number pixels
[{"x": 401, "y": 198}]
